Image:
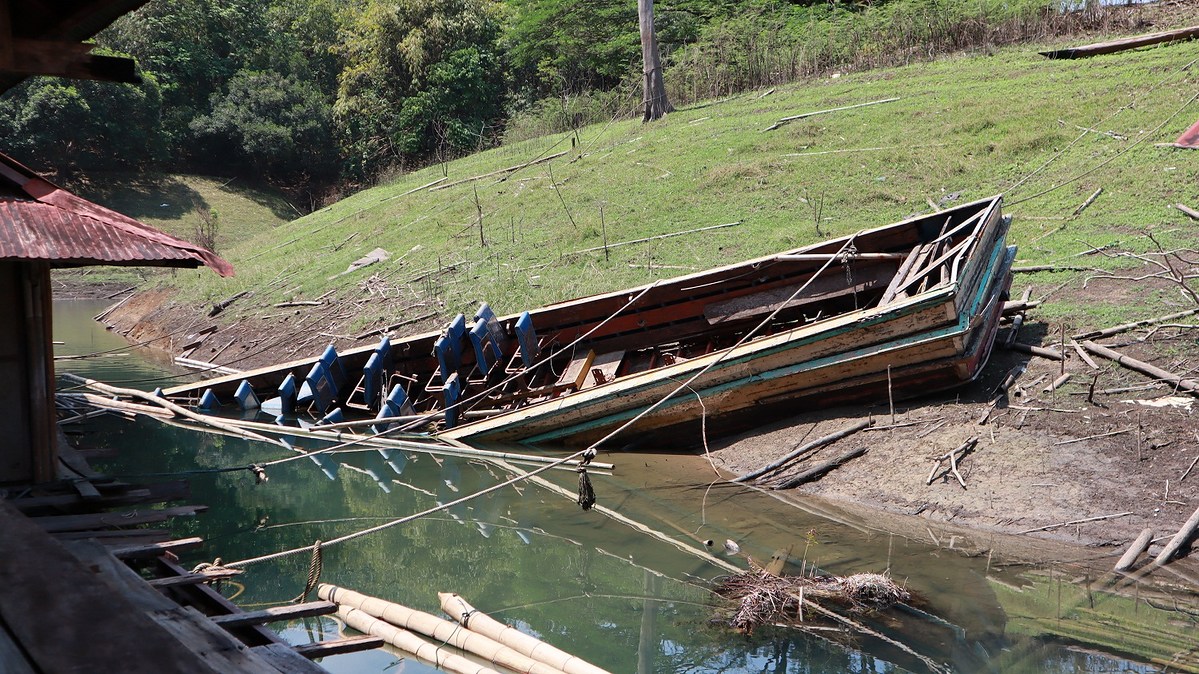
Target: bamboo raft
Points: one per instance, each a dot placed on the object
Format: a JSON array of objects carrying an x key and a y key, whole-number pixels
[{"x": 903, "y": 309}]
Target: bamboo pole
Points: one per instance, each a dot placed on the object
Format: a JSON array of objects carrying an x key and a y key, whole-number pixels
[
  {"x": 1041, "y": 351},
  {"x": 1175, "y": 380},
  {"x": 791, "y": 456},
  {"x": 476, "y": 621},
  {"x": 177, "y": 409},
  {"x": 410, "y": 643},
  {"x": 792, "y": 118},
  {"x": 426, "y": 446},
  {"x": 439, "y": 629}
]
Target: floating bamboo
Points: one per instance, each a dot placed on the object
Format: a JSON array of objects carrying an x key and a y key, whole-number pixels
[
  {"x": 440, "y": 629},
  {"x": 476, "y": 621},
  {"x": 410, "y": 643}
]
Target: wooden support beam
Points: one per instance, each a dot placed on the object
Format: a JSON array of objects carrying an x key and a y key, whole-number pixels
[
  {"x": 324, "y": 649},
  {"x": 275, "y": 613}
]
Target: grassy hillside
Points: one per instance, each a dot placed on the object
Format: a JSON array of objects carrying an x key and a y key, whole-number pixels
[{"x": 963, "y": 128}]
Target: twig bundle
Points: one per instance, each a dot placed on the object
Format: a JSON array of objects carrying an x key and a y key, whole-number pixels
[{"x": 766, "y": 599}]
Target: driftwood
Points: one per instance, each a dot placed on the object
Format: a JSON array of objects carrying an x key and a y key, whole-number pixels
[
  {"x": 298, "y": 303},
  {"x": 963, "y": 448},
  {"x": 1090, "y": 200},
  {"x": 1082, "y": 353},
  {"x": 807, "y": 447},
  {"x": 1125, "y": 327},
  {"x": 224, "y": 304},
  {"x": 1123, "y": 44},
  {"x": 1180, "y": 539},
  {"x": 817, "y": 471},
  {"x": 792, "y": 118},
  {"x": 1036, "y": 350},
  {"x": 1177, "y": 381},
  {"x": 1190, "y": 212},
  {"x": 1138, "y": 546}
]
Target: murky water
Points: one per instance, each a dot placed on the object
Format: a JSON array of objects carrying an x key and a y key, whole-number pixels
[{"x": 626, "y": 586}]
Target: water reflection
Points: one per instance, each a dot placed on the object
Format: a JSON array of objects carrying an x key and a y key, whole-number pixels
[{"x": 626, "y": 587}]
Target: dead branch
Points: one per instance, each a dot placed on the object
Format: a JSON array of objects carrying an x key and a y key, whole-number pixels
[
  {"x": 1190, "y": 212},
  {"x": 1175, "y": 380},
  {"x": 1092, "y": 437},
  {"x": 792, "y": 118},
  {"x": 1125, "y": 327},
  {"x": 508, "y": 170},
  {"x": 951, "y": 455},
  {"x": 1082, "y": 521},
  {"x": 1090, "y": 200},
  {"x": 807, "y": 447},
  {"x": 817, "y": 471}
]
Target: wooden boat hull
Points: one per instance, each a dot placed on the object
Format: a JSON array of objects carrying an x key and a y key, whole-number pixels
[{"x": 919, "y": 298}]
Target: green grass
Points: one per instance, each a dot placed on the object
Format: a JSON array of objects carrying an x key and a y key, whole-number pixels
[{"x": 974, "y": 126}]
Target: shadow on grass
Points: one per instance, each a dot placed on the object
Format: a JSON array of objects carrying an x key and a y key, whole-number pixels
[{"x": 164, "y": 198}]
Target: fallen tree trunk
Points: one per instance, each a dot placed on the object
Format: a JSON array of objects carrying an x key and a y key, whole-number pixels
[
  {"x": 1180, "y": 539},
  {"x": 1138, "y": 546},
  {"x": 817, "y": 471},
  {"x": 1180, "y": 383},
  {"x": 798, "y": 452}
]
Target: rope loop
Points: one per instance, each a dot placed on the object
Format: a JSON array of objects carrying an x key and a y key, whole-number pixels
[{"x": 259, "y": 473}]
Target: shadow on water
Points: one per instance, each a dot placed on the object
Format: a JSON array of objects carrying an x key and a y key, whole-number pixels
[{"x": 626, "y": 586}]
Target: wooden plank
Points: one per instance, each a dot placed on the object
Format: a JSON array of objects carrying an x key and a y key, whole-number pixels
[
  {"x": 193, "y": 578},
  {"x": 156, "y": 549},
  {"x": 153, "y": 493},
  {"x": 603, "y": 369},
  {"x": 67, "y": 618},
  {"x": 117, "y": 537},
  {"x": 576, "y": 372},
  {"x": 59, "y": 523},
  {"x": 286, "y": 660},
  {"x": 275, "y": 614},
  {"x": 323, "y": 649}
]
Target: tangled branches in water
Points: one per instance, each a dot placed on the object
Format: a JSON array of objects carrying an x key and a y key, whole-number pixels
[{"x": 766, "y": 599}]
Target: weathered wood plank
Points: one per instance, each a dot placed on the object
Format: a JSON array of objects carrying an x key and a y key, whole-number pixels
[
  {"x": 155, "y": 549},
  {"x": 153, "y": 493},
  {"x": 193, "y": 578},
  {"x": 68, "y": 619},
  {"x": 286, "y": 660},
  {"x": 324, "y": 649},
  {"x": 59, "y": 523},
  {"x": 276, "y": 613}
]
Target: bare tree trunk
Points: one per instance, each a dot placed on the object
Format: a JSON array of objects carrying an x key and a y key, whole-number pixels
[{"x": 656, "y": 103}]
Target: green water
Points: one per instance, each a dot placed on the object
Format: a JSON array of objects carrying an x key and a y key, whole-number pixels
[{"x": 630, "y": 596}]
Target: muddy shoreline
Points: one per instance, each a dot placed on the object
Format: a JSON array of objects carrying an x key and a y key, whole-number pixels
[{"x": 1042, "y": 458}]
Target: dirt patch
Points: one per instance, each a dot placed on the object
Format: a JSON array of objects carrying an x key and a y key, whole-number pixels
[{"x": 1042, "y": 458}]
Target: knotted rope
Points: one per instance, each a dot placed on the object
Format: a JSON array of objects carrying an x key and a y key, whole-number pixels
[
  {"x": 586, "y": 493},
  {"x": 315, "y": 566}
]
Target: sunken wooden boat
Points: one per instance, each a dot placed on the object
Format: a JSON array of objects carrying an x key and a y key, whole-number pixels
[{"x": 905, "y": 309}]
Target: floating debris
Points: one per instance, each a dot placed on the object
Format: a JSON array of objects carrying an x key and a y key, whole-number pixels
[{"x": 767, "y": 599}]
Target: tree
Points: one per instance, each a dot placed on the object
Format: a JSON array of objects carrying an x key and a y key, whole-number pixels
[{"x": 656, "y": 103}]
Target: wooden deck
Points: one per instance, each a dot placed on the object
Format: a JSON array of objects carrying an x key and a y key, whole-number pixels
[{"x": 89, "y": 599}]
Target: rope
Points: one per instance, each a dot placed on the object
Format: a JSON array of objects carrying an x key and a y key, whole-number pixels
[
  {"x": 315, "y": 566},
  {"x": 586, "y": 492}
]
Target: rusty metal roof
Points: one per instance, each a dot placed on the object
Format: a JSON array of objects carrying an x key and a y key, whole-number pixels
[{"x": 41, "y": 221}]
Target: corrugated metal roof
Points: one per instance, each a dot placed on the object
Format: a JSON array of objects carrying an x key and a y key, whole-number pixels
[{"x": 40, "y": 221}]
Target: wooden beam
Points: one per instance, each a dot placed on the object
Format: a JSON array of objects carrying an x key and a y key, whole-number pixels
[
  {"x": 58, "y": 523},
  {"x": 276, "y": 613},
  {"x": 193, "y": 578},
  {"x": 150, "y": 550},
  {"x": 323, "y": 649}
]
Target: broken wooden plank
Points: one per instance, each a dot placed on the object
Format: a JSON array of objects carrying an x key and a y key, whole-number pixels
[
  {"x": 1177, "y": 381},
  {"x": 817, "y": 471},
  {"x": 276, "y": 613},
  {"x": 151, "y": 550},
  {"x": 323, "y": 649}
]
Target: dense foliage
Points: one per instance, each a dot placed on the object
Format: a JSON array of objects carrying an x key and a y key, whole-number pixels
[{"x": 312, "y": 94}]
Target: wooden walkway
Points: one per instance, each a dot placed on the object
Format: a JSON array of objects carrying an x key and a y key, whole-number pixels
[{"x": 90, "y": 597}]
